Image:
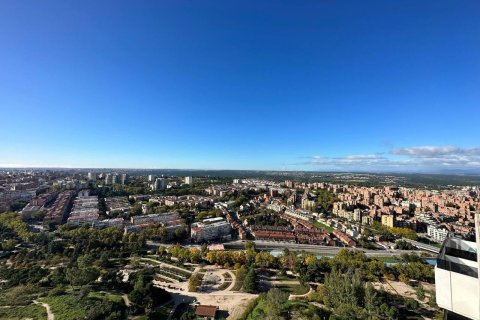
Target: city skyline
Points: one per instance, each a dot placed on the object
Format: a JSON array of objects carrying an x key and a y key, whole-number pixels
[{"x": 383, "y": 87}]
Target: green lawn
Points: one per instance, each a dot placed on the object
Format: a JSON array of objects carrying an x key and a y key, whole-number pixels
[
  {"x": 259, "y": 311},
  {"x": 112, "y": 297},
  {"x": 31, "y": 311},
  {"x": 323, "y": 226},
  {"x": 20, "y": 295},
  {"x": 66, "y": 307},
  {"x": 388, "y": 259},
  {"x": 293, "y": 288},
  {"x": 71, "y": 306},
  {"x": 224, "y": 285}
]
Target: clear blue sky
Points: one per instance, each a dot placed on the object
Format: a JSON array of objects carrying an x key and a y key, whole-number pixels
[{"x": 284, "y": 85}]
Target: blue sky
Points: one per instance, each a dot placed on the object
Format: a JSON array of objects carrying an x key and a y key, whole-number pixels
[{"x": 283, "y": 85}]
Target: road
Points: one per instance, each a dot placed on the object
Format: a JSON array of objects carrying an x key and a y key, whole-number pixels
[
  {"x": 317, "y": 249},
  {"x": 423, "y": 246}
]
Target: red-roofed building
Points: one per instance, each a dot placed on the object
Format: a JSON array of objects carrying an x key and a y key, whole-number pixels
[{"x": 206, "y": 312}]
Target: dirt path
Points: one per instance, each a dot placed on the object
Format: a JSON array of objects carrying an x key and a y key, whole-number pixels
[
  {"x": 126, "y": 300},
  {"x": 50, "y": 315},
  {"x": 294, "y": 296},
  {"x": 234, "y": 278}
]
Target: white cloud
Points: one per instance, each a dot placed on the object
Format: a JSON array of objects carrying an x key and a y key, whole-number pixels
[
  {"x": 432, "y": 151},
  {"x": 423, "y": 158}
]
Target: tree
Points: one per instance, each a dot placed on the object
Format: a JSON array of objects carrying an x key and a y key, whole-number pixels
[
  {"x": 180, "y": 233},
  {"x": 370, "y": 298},
  {"x": 432, "y": 299},
  {"x": 250, "y": 282},
  {"x": 81, "y": 276},
  {"x": 58, "y": 276},
  {"x": 275, "y": 300},
  {"x": 412, "y": 304},
  {"x": 420, "y": 291},
  {"x": 136, "y": 209},
  {"x": 250, "y": 246},
  {"x": 403, "y": 278},
  {"x": 194, "y": 282},
  {"x": 85, "y": 261}
]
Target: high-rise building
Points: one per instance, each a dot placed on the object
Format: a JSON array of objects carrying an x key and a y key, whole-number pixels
[
  {"x": 114, "y": 179},
  {"x": 159, "y": 184},
  {"x": 108, "y": 178},
  {"x": 188, "y": 180},
  {"x": 123, "y": 178},
  {"x": 388, "y": 220},
  {"x": 92, "y": 176},
  {"x": 289, "y": 183},
  {"x": 151, "y": 177}
]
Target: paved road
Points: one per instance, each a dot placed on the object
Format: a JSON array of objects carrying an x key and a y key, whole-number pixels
[
  {"x": 317, "y": 249},
  {"x": 423, "y": 246}
]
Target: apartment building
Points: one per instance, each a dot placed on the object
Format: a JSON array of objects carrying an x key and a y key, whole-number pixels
[
  {"x": 210, "y": 229},
  {"x": 58, "y": 213},
  {"x": 437, "y": 233},
  {"x": 117, "y": 205},
  {"x": 155, "y": 218}
]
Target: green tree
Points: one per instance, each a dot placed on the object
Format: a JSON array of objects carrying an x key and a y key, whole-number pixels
[
  {"x": 420, "y": 291},
  {"x": 136, "y": 209},
  {"x": 275, "y": 299},
  {"x": 250, "y": 282}
]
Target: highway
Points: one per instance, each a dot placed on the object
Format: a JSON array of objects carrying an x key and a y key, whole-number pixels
[
  {"x": 423, "y": 246},
  {"x": 317, "y": 249},
  {"x": 279, "y": 246}
]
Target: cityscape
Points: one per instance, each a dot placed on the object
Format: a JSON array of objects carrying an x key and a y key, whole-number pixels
[
  {"x": 206, "y": 246},
  {"x": 239, "y": 160}
]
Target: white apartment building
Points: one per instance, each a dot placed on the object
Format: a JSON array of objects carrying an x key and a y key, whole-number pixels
[
  {"x": 300, "y": 214},
  {"x": 188, "y": 180},
  {"x": 436, "y": 233},
  {"x": 210, "y": 229}
]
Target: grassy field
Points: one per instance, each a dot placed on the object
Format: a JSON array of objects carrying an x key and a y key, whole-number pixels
[
  {"x": 112, "y": 297},
  {"x": 259, "y": 311},
  {"x": 323, "y": 226},
  {"x": 388, "y": 259},
  {"x": 293, "y": 288},
  {"x": 238, "y": 285},
  {"x": 31, "y": 311},
  {"x": 224, "y": 285},
  {"x": 65, "y": 307},
  {"x": 20, "y": 295}
]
